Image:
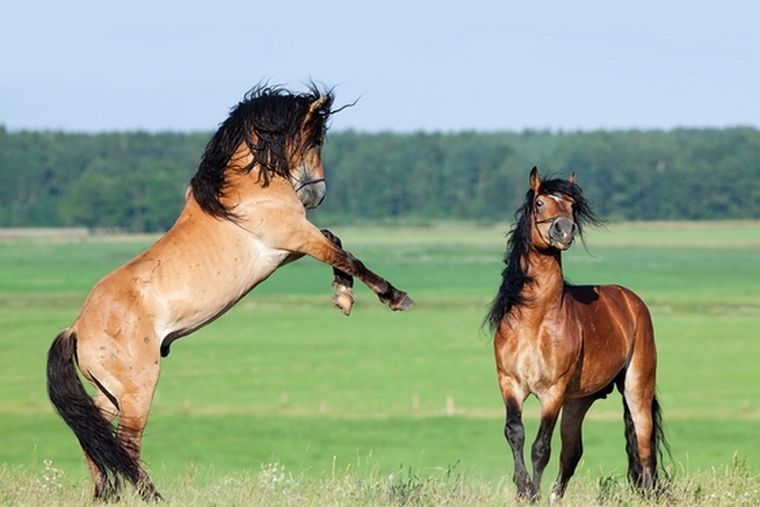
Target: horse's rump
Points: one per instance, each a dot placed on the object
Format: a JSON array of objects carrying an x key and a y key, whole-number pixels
[{"x": 96, "y": 435}]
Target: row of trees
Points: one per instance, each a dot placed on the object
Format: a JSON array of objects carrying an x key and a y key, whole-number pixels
[{"x": 137, "y": 181}]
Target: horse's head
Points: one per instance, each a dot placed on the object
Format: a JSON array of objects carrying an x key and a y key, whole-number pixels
[
  {"x": 552, "y": 216},
  {"x": 553, "y": 211},
  {"x": 307, "y": 174},
  {"x": 271, "y": 133}
]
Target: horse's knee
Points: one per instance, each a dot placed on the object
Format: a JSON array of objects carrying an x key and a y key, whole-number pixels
[
  {"x": 514, "y": 432},
  {"x": 541, "y": 449}
]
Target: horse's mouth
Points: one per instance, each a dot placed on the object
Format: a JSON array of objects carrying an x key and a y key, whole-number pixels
[{"x": 562, "y": 245}]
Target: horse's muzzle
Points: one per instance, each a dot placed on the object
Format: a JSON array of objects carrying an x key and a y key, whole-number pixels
[
  {"x": 562, "y": 232},
  {"x": 312, "y": 193}
]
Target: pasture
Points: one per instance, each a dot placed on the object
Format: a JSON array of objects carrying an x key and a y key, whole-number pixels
[{"x": 283, "y": 389}]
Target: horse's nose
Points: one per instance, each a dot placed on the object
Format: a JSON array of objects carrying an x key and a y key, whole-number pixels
[
  {"x": 563, "y": 230},
  {"x": 312, "y": 194}
]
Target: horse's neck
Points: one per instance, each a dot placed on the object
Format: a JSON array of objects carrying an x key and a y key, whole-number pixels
[
  {"x": 241, "y": 188},
  {"x": 245, "y": 192},
  {"x": 548, "y": 284}
]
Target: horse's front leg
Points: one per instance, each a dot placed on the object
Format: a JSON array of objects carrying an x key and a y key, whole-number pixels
[
  {"x": 513, "y": 393},
  {"x": 343, "y": 283},
  {"x": 541, "y": 450},
  {"x": 514, "y": 432},
  {"x": 316, "y": 244}
]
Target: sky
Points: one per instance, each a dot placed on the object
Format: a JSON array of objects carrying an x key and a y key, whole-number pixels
[{"x": 90, "y": 66}]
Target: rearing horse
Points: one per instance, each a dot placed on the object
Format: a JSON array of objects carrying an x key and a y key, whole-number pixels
[
  {"x": 569, "y": 345},
  {"x": 243, "y": 218}
]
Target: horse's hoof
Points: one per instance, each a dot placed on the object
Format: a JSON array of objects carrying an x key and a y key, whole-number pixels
[
  {"x": 404, "y": 303},
  {"x": 343, "y": 300}
]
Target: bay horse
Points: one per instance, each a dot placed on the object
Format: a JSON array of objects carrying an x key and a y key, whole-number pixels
[
  {"x": 243, "y": 217},
  {"x": 569, "y": 345}
]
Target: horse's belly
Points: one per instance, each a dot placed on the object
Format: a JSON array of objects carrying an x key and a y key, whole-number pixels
[
  {"x": 216, "y": 287},
  {"x": 595, "y": 375}
]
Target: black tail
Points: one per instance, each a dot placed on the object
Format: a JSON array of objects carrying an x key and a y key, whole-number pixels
[
  {"x": 96, "y": 435},
  {"x": 659, "y": 447},
  {"x": 634, "y": 467}
]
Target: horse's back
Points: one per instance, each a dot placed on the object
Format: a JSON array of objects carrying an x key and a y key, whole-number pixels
[{"x": 615, "y": 303}]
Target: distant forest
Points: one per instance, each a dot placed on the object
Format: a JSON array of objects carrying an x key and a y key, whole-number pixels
[{"x": 136, "y": 181}]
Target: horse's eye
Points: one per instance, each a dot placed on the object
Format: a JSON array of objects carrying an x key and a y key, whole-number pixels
[{"x": 539, "y": 204}]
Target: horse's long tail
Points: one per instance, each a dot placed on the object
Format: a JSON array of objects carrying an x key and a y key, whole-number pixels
[
  {"x": 96, "y": 435},
  {"x": 658, "y": 445}
]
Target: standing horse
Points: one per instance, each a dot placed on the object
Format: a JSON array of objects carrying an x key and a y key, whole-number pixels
[
  {"x": 569, "y": 345},
  {"x": 243, "y": 218}
]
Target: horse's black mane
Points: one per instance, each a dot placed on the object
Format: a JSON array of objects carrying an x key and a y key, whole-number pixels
[
  {"x": 513, "y": 278},
  {"x": 269, "y": 121}
]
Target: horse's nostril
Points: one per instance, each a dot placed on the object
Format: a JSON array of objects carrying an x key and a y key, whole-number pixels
[{"x": 562, "y": 230}]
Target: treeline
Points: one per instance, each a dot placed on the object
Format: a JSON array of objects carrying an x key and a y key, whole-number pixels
[{"x": 137, "y": 181}]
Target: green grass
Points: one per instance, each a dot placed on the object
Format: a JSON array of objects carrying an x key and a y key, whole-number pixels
[
  {"x": 273, "y": 484},
  {"x": 284, "y": 378}
]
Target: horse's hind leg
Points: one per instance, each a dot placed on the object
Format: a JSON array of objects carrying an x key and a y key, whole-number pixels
[
  {"x": 127, "y": 384},
  {"x": 638, "y": 396},
  {"x": 105, "y": 490},
  {"x": 135, "y": 404},
  {"x": 573, "y": 412}
]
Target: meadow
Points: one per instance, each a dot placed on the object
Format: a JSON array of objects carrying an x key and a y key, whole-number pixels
[{"x": 283, "y": 394}]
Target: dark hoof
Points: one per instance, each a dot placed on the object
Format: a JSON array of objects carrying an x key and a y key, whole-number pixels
[
  {"x": 403, "y": 303},
  {"x": 528, "y": 493}
]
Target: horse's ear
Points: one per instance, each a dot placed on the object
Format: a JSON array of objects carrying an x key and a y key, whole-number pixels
[
  {"x": 535, "y": 179},
  {"x": 315, "y": 106},
  {"x": 571, "y": 178}
]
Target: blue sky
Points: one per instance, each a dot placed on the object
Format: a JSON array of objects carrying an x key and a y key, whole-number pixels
[{"x": 152, "y": 65}]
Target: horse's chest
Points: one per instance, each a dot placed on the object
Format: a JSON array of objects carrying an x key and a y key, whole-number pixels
[
  {"x": 263, "y": 260},
  {"x": 539, "y": 359}
]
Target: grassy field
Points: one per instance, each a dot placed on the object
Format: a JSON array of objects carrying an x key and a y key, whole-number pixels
[{"x": 381, "y": 403}]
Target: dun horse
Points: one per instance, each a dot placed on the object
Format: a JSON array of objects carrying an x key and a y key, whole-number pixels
[
  {"x": 243, "y": 218},
  {"x": 569, "y": 345}
]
